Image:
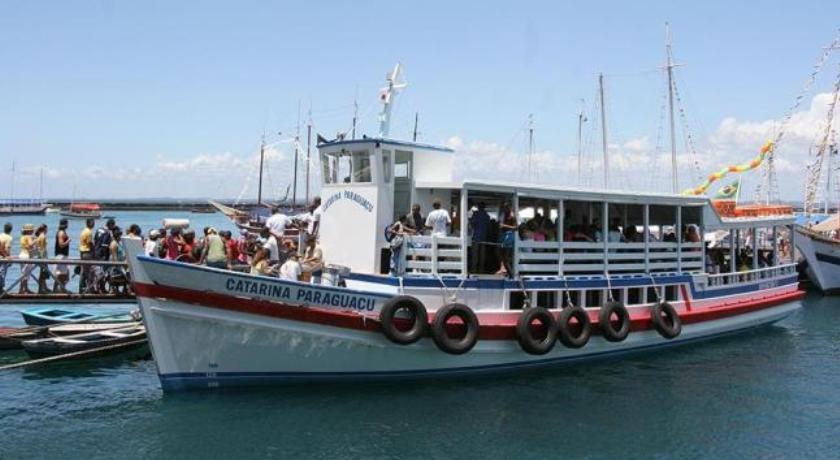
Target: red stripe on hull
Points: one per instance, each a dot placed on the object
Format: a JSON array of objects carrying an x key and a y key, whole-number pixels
[{"x": 504, "y": 330}]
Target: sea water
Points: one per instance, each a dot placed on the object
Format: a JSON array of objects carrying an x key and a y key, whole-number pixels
[{"x": 770, "y": 393}]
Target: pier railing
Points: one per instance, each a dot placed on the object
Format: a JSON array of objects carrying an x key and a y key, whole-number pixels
[{"x": 64, "y": 280}]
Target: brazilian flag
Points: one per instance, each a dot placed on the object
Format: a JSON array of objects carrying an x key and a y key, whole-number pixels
[{"x": 729, "y": 191}]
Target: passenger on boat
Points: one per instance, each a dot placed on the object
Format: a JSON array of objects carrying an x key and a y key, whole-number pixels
[
  {"x": 245, "y": 246},
  {"x": 27, "y": 248},
  {"x": 134, "y": 232},
  {"x": 313, "y": 260},
  {"x": 62, "y": 251},
  {"x": 291, "y": 268},
  {"x": 692, "y": 235},
  {"x": 415, "y": 220},
  {"x": 5, "y": 253},
  {"x": 631, "y": 235},
  {"x": 277, "y": 223},
  {"x": 214, "y": 253},
  {"x": 86, "y": 253},
  {"x": 271, "y": 244},
  {"x": 173, "y": 243},
  {"x": 312, "y": 218},
  {"x": 102, "y": 240},
  {"x": 231, "y": 248},
  {"x": 507, "y": 233},
  {"x": 186, "y": 254},
  {"x": 438, "y": 220},
  {"x": 614, "y": 234},
  {"x": 480, "y": 225},
  {"x": 260, "y": 265},
  {"x": 395, "y": 236},
  {"x": 579, "y": 235},
  {"x": 150, "y": 248}
]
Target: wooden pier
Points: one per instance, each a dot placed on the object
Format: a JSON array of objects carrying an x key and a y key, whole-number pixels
[{"x": 104, "y": 282}]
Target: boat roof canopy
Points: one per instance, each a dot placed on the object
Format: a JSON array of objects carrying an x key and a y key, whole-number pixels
[{"x": 386, "y": 141}]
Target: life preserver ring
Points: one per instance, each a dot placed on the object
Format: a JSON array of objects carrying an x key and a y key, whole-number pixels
[
  {"x": 525, "y": 334},
  {"x": 614, "y": 331},
  {"x": 389, "y": 323},
  {"x": 566, "y": 332},
  {"x": 666, "y": 320},
  {"x": 455, "y": 345}
]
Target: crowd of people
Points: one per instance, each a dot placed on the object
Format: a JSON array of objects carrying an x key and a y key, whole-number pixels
[{"x": 272, "y": 252}]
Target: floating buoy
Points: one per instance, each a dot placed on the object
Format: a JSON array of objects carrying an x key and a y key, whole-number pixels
[
  {"x": 525, "y": 334},
  {"x": 440, "y": 334},
  {"x": 614, "y": 331},
  {"x": 388, "y": 321}
]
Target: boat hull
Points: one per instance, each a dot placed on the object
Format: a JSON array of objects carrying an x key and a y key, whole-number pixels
[
  {"x": 199, "y": 347},
  {"x": 823, "y": 257}
]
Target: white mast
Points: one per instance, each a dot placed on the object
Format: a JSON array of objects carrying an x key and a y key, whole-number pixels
[
  {"x": 530, "y": 143},
  {"x": 387, "y": 99},
  {"x": 669, "y": 66},
  {"x": 604, "y": 131},
  {"x": 581, "y": 120},
  {"x": 828, "y": 180}
]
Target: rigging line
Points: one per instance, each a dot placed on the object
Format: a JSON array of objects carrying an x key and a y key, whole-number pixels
[
  {"x": 687, "y": 138},
  {"x": 660, "y": 138},
  {"x": 813, "y": 182}
]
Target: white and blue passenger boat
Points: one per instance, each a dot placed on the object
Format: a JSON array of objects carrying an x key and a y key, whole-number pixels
[{"x": 607, "y": 273}]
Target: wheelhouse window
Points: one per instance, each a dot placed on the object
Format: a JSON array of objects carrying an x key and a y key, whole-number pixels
[{"x": 347, "y": 166}]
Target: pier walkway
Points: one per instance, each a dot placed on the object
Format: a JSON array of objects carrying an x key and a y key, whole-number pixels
[{"x": 65, "y": 281}]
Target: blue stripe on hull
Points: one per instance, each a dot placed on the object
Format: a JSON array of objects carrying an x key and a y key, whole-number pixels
[
  {"x": 833, "y": 260},
  {"x": 202, "y": 380}
]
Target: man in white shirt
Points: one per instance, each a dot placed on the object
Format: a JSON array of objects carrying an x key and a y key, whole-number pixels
[
  {"x": 277, "y": 223},
  {"x": 272, "y": 245},
  {"x": 291, "y": 269},
  {"x": 438, "y": 220}
]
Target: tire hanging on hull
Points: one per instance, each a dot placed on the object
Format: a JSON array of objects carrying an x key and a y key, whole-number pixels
[
  {"x": 611, "y": 331},
  {"x": 566, "y": 328},
  {"x": 525, "y": 334},
  {"x": 389, "y": 322},
  {"x": 440, "y": 334},
  {"x": 666, "y": 320}
]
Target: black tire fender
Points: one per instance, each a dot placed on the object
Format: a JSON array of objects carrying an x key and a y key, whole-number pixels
[
  {"x": 565, "y": 329},
  {"x": 440, "y": 335},
  {"x": 611, "y": 331},
  {"x": 388, "y": 320},
  {"x": 528, "y": 340},
  {"x": 666, "y": 320}
]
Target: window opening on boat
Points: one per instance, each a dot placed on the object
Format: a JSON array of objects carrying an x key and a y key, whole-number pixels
[
  {"x": 490, "y": 245},
  {"x": 516, "y": 300},
  {"x": 634, "y": 296},
  {"x": 346, "y": 166},
  {"x": 654, "y": 294},
  {"x": 671, "y": 293},
  {"x": 546, "y": 299}
]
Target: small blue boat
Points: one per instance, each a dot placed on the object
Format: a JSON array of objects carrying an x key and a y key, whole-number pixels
[{"x": 47, "y": 316}]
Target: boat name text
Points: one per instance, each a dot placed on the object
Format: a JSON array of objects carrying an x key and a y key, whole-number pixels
[
  {"x": 347, "y": 195},
  {"x": 301, "y": 295}
]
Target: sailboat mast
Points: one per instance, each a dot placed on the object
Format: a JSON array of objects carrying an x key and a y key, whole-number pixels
[
  {"x": 604, "y": 131},
  {"x": 581, "y": 119},
  {"x": 828, "y": 180},
  {"x": 262, "y": 160},
  {"x": 670, "y": 69},
  {"x": 294, "y": 175},
  {"x": 416, "y": 120},
  {"x": 355, "y": 113},
  {"x": 530, "y": 143},
  {"x": 308, "y": 149}
]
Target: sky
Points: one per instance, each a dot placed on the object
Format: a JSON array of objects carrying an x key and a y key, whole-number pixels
[{"x": 170, "y": 99}]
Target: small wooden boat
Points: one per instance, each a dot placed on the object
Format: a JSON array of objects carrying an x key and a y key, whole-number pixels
[
  {"x": 12, "y": 337},
  {"x": 83, "y": 211},
  {"x": 45, "y": 316},
  {"x": 51, "y": 346}
]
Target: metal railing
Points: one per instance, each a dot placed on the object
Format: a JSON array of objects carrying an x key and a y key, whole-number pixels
[
  {"x": 63, "y": 279},
  {"x": 433, "y": 255},
  {"x": 751, "y": 276}
]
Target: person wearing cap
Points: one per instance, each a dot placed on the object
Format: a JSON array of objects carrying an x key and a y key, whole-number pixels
[
  {"x": 151, "y": 246},
  {"x": 61, "y": 249},
  {"x": 27, "y": 247},
  {"x": 214, "y": 253},
  {"x": 5, "y": 252}
]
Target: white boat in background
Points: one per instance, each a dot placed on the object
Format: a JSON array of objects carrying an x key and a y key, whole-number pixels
[
  {"x": 819, "y": 245},
  {"x": 442, "y": 310}
]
